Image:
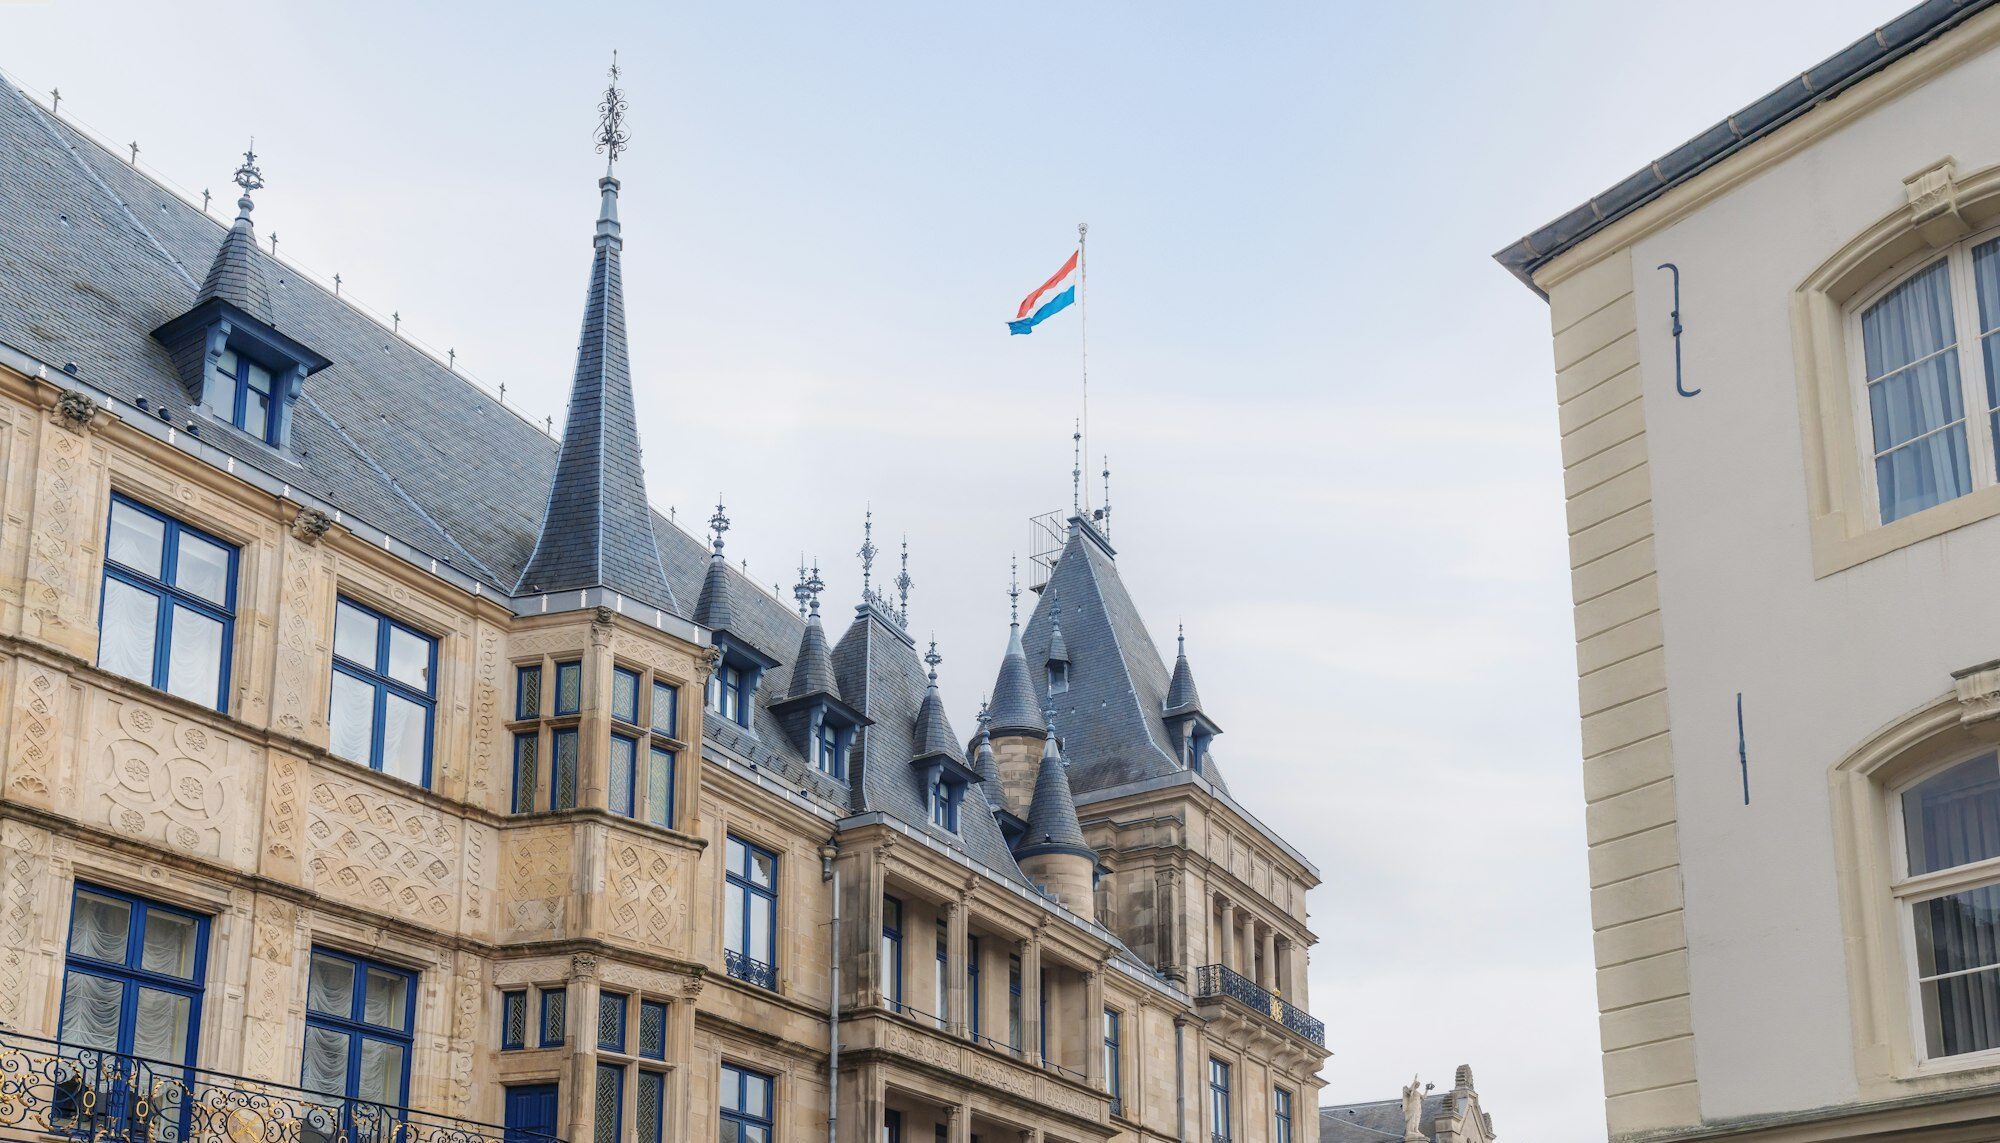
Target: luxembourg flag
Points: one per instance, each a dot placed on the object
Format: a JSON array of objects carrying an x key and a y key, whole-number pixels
[{"x": 1049, "y": 299}]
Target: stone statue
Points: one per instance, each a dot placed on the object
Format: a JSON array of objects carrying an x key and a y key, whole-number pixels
[{"x": 1413, "y": 1109}]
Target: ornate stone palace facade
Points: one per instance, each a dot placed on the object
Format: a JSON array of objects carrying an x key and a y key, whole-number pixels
[{"x": 376, "y": 767}]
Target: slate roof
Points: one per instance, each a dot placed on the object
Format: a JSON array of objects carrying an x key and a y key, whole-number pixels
[
  {"x": 236, "y": 275},
  {"x": 1112, "y": 715},
  {"x": 1796, "y": 96},
  {"x": 598, "y": 526},
  {"x": 1181, "y": 693},
  {"x": 1376, "y": 1122},
  {"x": 1014, "y": 709},
  {"x": 711, "y": 608},
  {"x": 812, "y": 667},
  {"x": 1052, "y": 824}
]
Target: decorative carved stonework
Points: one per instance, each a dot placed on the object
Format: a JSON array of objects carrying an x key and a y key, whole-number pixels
[
  {"x": 1978, "y": 690},
  {"x": 1933, "y": 194},
  {"x": 582, "y": 966},
  {"x": 75, "y": 410},
  {"x": 311, "y": 524},
  {"x": 601, "y": 617}
]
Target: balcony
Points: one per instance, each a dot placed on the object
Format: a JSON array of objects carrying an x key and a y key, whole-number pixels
[
  {"x": 1215, "y": 981},
  {"x": 51, "y": 1088},
  {"x": 741, "y": 967}
]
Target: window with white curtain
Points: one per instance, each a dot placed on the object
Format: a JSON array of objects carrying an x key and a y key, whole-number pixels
[
  {"x": 1950, "y": 891},
  {"x": 1929, "y": 405},
  {"x": 359, "y": 1019}
]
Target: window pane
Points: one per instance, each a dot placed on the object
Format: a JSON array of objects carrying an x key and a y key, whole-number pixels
[
  {"x": 381, "y": 1072},
  {"x": 666, "y": 709},
  {"x": 610, "y": 1094},
  {"x": 526, "y": 772},
  {"x": 169, "y": 944},
  {"x": 555, "y": 1008},
  {"x": 160, "y": 1028},
  {"x": 653, "y": 1030},
  {"x": 514, "y": 1018},
  {"x": 733, "y": 917},
  {"x": 131, "y": 627},
  {"x": 1953, "y": 818},
  {"x": 624, "y": 753},
  {"x": 256, "y": 413},
  {"x": 528, "y": 696},
  {"x": 1924, "y": 472},
  {"x": 564, "y": 777},
  {"x": 202, "y": 569},
  {"x": 569, "y": 687},
  {"x": 410, "y": 659},
  {"x": 611, "y": 1022},
  {"x": 354, "y": 634},
  {"x": 1955, "y": 934},
  {"x": 624, "y": 695},
  {"x": 650, "y": 1101},
  {"x": 387, "y": 1003},
  {"x": 756, "y": 1096},
  {"x": 660, "y": 787},
  {"x": 330, "y": 986},
  {"x": 406, "y": 734},
  {"x": 218, "y": 393},
  {"x": 99, "y": 927},
  {"x": 1920, "y": 399},
  {"x": 352, "y": 722},
  {"x": 194, "y": 657},
  {"x": 91, "y": 1005},
  {"x": 763, "y": 868},
  {"x": 137, "y": 540},
  {"x": 325, "y": 1066},
  {"x": 1911, "y": 322},
  {"x": 760, "y": 929},
  {"x": 738, "y": 855}
]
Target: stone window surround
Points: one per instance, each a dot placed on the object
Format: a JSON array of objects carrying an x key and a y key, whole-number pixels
[
  {"x": 1943, "y": 209},
  {"x": 543, "y": 722},
  {"x": 1865, "y": 786}
]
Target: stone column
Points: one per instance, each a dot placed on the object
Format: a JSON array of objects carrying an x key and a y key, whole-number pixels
[
  {"x": 593, "y": 735},
  {"x": 958, "y": 1123},
  {"x": 1267, "y": 973},
  {"x": 957, "y": 1015},
  {"x": 1031, "y": 1000},
  {"x": 679, "y": 1121},
  {"x": 1228, "y": 957},
  {"x": 580, "y": 1010},
  {"x": 1248, "y": 952}
]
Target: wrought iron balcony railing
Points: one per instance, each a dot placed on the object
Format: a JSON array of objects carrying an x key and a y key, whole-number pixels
[
  {"x": 49, "y": 1088},
  {"x": 1220, "y": 980},
  {"x": 750, "y": 971}
]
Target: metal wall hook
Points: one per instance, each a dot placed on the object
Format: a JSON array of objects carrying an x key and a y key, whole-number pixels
[{"x": 1679, "y": 388}]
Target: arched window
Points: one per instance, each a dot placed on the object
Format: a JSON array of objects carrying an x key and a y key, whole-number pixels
[{"x": 1948, "y": 885}]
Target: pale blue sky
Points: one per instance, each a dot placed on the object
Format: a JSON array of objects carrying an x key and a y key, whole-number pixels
[{"x": 1330, "y": 415}]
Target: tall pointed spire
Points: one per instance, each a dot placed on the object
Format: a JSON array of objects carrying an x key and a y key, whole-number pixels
[
  {"x": 1052, "y": 822},
  {"x": 984, "y": 760},
  {"x": 1181, "y": 693},
  {"x": 933, "y": 736},
  {"x": 237, "y": 275},
  {"x": 1058, "y": 648},
  {"x": 812, "y": 669},
  {"x": 597, "y": 530},
  {"x": 1014, "y": 708}
]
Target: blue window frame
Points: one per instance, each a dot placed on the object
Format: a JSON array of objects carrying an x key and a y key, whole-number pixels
[
  {"x": 1281, "y": 1115},
  {"x": 892, "y": 953},
  {"x": 132, "y": 980},
  {"x": 972, "y": 999},
  {"x": 611, "y": 1022},
  {"x": 750, "y": 913},
  {"x": 562, "y": 775},
  {"x": 938, "y": 999},
  {"x": 623, "y": 773},
  {"x": 1113, "y": 1061},
  {"x": 527, "y": 771},
  {"x": 569, "y": 687},
  {"x": 650, "y": 1106},
  {"x": 609, "y": 1125},
  {"x": 1042, "y": 1016},
  {"x": 625, "y": 695},
  {"x": 244, "y": 393},
  {"x": 666, "y": 711},
  {"x": 528, "y": 691},
  {"x": 746, "y": 1106},
  {"x": 728, "y": 692},
  {"x": 167, "y": 607},
  {"x": 555, "y": 1017},
  {"x": 944, "y": 799},
  {"x": 359, "y": 1019},
  {"x": 828, "y": 750},
  {"x": 384, "y": 703},
  {"x": 1014, "y": 1035},
  {"x": 653, "y": 1029},
  {"x": 1218, "y": 1099},
  {"x": 531, "y": 1113},
  {"x": 660, "y": 777},
  {"x": 513, "y": 1021}
]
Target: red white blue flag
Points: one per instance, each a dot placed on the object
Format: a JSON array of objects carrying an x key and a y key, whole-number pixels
[{"x": 1049, "y": 299}]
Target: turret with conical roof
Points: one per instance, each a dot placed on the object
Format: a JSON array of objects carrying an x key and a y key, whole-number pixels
[
  {"x": 1015, "y": 719},
  {"x": 712, "y": 609},
  {"x": 1052, "y": 851},
  {"x": 597, "y": 530}
]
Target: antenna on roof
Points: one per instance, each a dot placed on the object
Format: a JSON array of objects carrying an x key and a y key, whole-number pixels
[{"x": 612, "y": 137}]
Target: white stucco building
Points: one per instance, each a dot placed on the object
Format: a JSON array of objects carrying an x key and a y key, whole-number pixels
[{"x": 1779, "y": 392}]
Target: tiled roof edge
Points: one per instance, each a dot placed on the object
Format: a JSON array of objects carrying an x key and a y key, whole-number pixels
[{"x": 1824, "y": 80}]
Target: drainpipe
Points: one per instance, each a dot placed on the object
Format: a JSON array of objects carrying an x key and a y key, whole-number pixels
[
  {"x": 1180, "y": 1081},
  {"x": 828, "y": 873}
]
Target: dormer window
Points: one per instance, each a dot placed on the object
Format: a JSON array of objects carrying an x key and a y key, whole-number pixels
[
  {"x": 1058, "y": 677},
  {"x": 732, "y": 686},
  {"x": 946, "y": 794},
  {"x": 726, "y": 693},
  {"x": 830, "y": 748},
  {"x": 241, "y": 392}
]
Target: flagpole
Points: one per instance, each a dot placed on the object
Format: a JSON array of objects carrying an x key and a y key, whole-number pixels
[{"x": 1083, "y": 332}]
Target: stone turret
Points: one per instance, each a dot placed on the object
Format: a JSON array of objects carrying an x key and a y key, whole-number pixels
[{"x": 1052, "y": 851}]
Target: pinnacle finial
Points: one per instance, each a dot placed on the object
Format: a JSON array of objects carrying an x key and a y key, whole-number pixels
[
  {"x": 802, "y": 591},
  {"x": 867, "y": 554},
  {"x": 1104, "y": 513},
  {"x": 904, "y": 583},
  {"x": 249, "y": 177},
  {"x": 612, "y": 138},
  {"x": 1014, "y": 590},
  {"x": 932, "y": 659},
  {"x": 1181, "y": 638},
  {"x": 718, "y": 524}
]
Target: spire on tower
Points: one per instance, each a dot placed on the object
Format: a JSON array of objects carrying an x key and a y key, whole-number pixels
[{"x": 612, "y": 138}]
